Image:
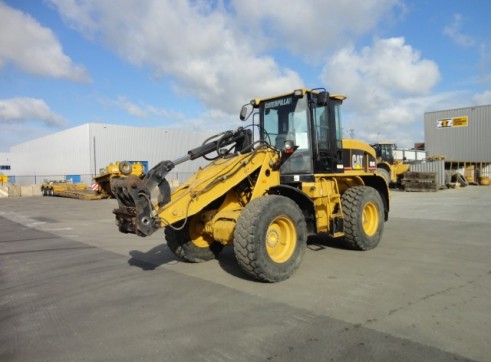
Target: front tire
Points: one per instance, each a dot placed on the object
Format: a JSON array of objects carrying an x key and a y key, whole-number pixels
[
  {"x": 385, "y": 174},
  {"x": 189, "y": 243},
  {"x": 270, "y": 238},
  {"x": 363, "y": 217}
]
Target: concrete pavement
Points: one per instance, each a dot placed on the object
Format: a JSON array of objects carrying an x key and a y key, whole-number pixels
[{"x": 74, "y": 288}]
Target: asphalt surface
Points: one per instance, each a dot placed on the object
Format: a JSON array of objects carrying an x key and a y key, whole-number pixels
[{"x": 72, "y": 288}]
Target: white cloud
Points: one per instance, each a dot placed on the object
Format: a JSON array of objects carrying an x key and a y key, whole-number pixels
[
  {"x": 211, "y": 120},
  {"x": 388, "y": 66},
  {"x": 453, "y": 31},
  {"x": 33, "y": 48},
  {"x": 388, "y": 87},
  {"x": 482, "y": 45},
  {"x": 310, "y": 28},
  {"x": 188, "y": 41},
  {"x": 208, "y": 120},
  {"x": 18, "y": 110},
  {"x": 16, "y": 133},
  {"x": 141, "y": 109},
  {"x": 483, "y": 98},
  {"x": 129, "y": 107},
  {"x": 218, "y": 51}
]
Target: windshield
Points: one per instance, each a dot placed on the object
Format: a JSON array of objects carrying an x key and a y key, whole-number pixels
[{"x": 284, "y": 119}]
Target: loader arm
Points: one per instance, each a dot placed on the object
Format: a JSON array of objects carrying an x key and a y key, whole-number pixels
[{"x": 138, "y": 214}]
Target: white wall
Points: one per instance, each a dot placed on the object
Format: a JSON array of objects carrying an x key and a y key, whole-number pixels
[
  {"x": 85, "y": 149},
  {"x": 62, "y": 153},
  {"x": 5, "y": 161}
]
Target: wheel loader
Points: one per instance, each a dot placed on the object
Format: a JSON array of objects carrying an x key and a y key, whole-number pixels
[
  {"x": 268, "y": 186},
  {"x": 102, "y": 181},
  {"x": 392, "y": 169}
]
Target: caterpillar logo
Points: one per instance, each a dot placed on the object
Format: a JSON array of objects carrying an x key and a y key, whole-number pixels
[{"x": 357, "y": 162}]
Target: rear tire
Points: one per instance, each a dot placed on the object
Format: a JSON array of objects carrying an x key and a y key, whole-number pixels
[
  {"x": 363, "y": 217},
  {"x": 189, "y": 244},
  {"x": 270, "y": 238}
]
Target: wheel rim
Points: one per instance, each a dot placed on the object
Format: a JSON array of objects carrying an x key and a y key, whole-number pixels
[
  {"x": 370, "y": 219},
  {"x": 281, "y": 239},
  {"x": 196, "y": 227}
]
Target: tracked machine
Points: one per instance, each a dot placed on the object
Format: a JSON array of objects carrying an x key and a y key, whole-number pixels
[{"x": 267, "y": 188}]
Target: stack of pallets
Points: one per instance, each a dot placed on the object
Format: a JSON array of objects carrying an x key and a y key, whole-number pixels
[{"x": 420, "y": 182}]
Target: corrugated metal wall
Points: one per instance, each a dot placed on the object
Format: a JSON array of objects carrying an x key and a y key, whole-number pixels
[
  {"x": 61, "y": 153},
  {"x": 110, "y": 143},
  {"x": 85, "y": 149},
  {"x": 461, "y": 144},
  {"x": 437, "y": 166}
]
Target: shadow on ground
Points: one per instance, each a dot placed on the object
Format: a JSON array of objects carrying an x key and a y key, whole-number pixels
[
  {"x": 161, "y": 254},
  {"x": 153, "y": 258}
]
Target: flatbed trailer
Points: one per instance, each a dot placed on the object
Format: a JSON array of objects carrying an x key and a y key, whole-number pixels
[{"x": 70, "y": 190}]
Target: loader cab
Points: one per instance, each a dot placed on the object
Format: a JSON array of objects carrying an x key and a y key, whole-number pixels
[
  {"x": 312, "y": 120},
  {"x": 384, "y": 151}
]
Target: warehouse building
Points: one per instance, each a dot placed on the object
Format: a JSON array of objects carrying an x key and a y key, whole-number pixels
[
  {"x": 80, "y": 153},
  {"x": 462, "y": 137}
]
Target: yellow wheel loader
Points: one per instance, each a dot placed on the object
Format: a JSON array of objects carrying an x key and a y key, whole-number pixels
[
  {"x": 392, "y": 169},
  {"x": 117, "y": 169},
  {"x": 266, "y": 189}
]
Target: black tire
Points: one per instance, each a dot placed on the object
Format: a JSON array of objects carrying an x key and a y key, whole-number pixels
[
  {"x": 264, "y": 221},
  {"x": 43, "y": 191},
  {"x": 363, "y": 217},
  {"x": 51, "y": 192},
  {"x": 125, "y": 168},
  {"x": 462, "y": 180},
  {"x": 189, "y": 244},
  {"x": 385, "y": 174}
]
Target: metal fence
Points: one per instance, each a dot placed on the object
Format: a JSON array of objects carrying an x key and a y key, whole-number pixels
[
  {"x": 437, "y": 166},
  {"x": 446, "y": 171},
  {"x": 174, "y": 177}
]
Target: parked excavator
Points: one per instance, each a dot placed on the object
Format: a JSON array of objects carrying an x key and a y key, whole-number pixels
[{"x": 267, "y": 188}]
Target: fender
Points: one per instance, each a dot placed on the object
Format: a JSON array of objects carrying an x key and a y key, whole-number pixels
[{"x": 301, "y": 199}]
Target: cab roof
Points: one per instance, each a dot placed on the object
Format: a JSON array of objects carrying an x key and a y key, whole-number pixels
[{"x": 257, "y": 101}]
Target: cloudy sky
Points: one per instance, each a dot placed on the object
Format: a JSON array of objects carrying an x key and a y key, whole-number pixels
[{"x": 194, "y": 63}]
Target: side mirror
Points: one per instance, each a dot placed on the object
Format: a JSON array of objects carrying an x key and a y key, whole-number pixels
[{"x": 243, "y": 113}]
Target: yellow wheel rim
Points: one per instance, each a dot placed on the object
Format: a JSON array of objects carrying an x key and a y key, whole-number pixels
[
  {"x": 281, "y": 239},
  {"x": 196, "y": 227},
  {"x": 370, "y": 219}
]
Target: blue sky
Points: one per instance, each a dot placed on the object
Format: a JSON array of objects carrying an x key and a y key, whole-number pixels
[{"x": 194, "y": 63}]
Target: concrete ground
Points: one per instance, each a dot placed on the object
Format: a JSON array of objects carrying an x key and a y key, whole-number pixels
[{"x": 72, "y": 288}]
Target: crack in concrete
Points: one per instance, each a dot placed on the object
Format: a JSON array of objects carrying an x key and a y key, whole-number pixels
[{"x": 431, "y": 295}]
